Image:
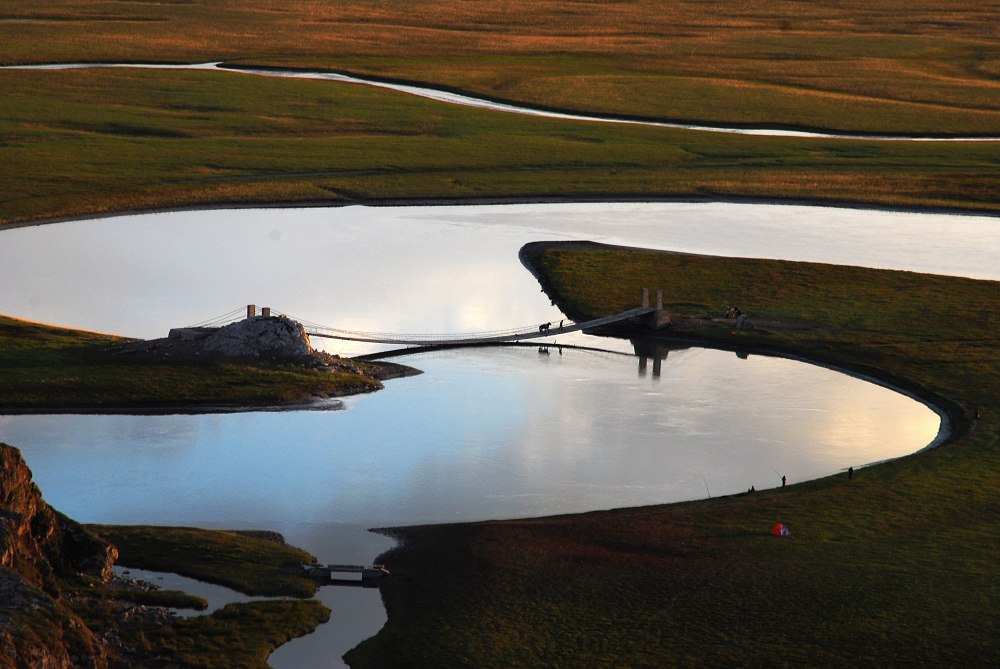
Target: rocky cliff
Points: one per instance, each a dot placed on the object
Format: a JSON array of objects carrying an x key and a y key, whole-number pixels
[{"x": 38, "y": 546}]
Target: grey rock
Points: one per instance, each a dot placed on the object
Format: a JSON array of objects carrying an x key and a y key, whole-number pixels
[{"x": 260, "y": 336}]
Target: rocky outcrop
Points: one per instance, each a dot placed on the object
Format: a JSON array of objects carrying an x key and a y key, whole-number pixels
[
  {"x": 38, "y": 542},
  {"x": 37, "y": 546},
  {"x": 261, "y": 336}
]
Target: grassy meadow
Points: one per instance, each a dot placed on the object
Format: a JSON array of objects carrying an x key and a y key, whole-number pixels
[
  {"x": 85, "y": 142},
  {"x": 895, "y": 567},
  {"x": 240, "y": 561},
  {"x": 891, "y": 66},
  {"x": 88, "y": 142}
]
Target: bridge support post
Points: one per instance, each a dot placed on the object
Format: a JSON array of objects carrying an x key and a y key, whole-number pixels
[
  {"x": 660, "y": 317},
  {"x": 251, "y": 310}
]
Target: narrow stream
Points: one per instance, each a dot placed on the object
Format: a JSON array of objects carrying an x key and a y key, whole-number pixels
[{"x": 454, "y": 98}]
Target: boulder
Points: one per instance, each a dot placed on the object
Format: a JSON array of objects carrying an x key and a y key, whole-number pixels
[{"x": 260, "y": 336}]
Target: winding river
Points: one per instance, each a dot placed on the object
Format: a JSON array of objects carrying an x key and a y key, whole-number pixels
[
  {"x": 451, "y": 97},
  {"x": 576, "y": 425}
]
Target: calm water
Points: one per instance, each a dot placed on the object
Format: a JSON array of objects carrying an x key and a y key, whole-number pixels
[
  {"x": 484, "y": 433},
  {"x": 381, "y": 269}
]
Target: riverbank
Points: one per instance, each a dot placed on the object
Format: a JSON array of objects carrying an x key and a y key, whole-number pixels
[{"x": 882, "y": 567}]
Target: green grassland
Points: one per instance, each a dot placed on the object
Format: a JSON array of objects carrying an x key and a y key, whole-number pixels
[
  {"x": 893, "y": 568},
  {"x": 895, "y": 65},
  {"x": 51, "y": 368},
  {"x": 100, "y": 141},
  {"x": 233, "y": 559},
  {"x": 95, "y": 142}
]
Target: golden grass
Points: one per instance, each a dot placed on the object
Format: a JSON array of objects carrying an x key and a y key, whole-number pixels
[{"x": 747, "y": 61}]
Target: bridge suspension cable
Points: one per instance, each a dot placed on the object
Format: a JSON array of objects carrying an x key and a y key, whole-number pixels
[
  {"x": 454, "y": 339},
  {"x": 459, "y": 338},
  {"x": 219, "y": 321}
]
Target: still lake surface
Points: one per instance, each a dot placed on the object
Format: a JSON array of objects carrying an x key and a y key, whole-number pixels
[{"x": 483, "y": 433}]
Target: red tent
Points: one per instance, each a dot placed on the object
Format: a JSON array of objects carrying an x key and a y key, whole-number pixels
[{"x": 780, "y": 530}]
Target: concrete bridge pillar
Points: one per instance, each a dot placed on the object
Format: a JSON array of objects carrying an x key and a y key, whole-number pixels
[{"x": 661, "y": 318}]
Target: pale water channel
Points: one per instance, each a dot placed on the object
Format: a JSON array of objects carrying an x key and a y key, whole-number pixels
[
  {"x": 483, "y": 433},
  {"x": 454, "y": 98}
]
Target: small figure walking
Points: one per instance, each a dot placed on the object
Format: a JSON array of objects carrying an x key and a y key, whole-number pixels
[
  {"x": 850, "y": 473},
  {"x": 783, "y": 481}
]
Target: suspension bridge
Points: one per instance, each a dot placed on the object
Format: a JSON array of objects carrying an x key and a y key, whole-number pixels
[{"x": 656, "y": 317}]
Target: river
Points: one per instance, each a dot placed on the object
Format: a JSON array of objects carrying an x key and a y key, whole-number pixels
[
  {"x": 456, "y": 98},
  {"x": 483, "y": 433}
]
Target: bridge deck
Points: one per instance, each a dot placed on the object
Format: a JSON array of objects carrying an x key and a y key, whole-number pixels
[{"x": 489, "y": 338}]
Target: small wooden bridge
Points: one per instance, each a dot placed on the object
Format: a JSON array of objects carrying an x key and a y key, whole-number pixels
[{"x": 327, "y": 573}]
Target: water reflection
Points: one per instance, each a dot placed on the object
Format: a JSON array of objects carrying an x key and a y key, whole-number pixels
[
  {"x": 651, "y": 349},
  {"x": 419, "y": 269},
  {"x": 484, "y": 433}
]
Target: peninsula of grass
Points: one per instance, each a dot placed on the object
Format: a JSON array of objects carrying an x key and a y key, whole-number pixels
[
  {"x": 44, "y": 368},
  {"x": 241, "y": 635},
  {"x": 238, "y": 636},
  {"x": 237, "y": 560},
  {"x": 894, "y": 567}
]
